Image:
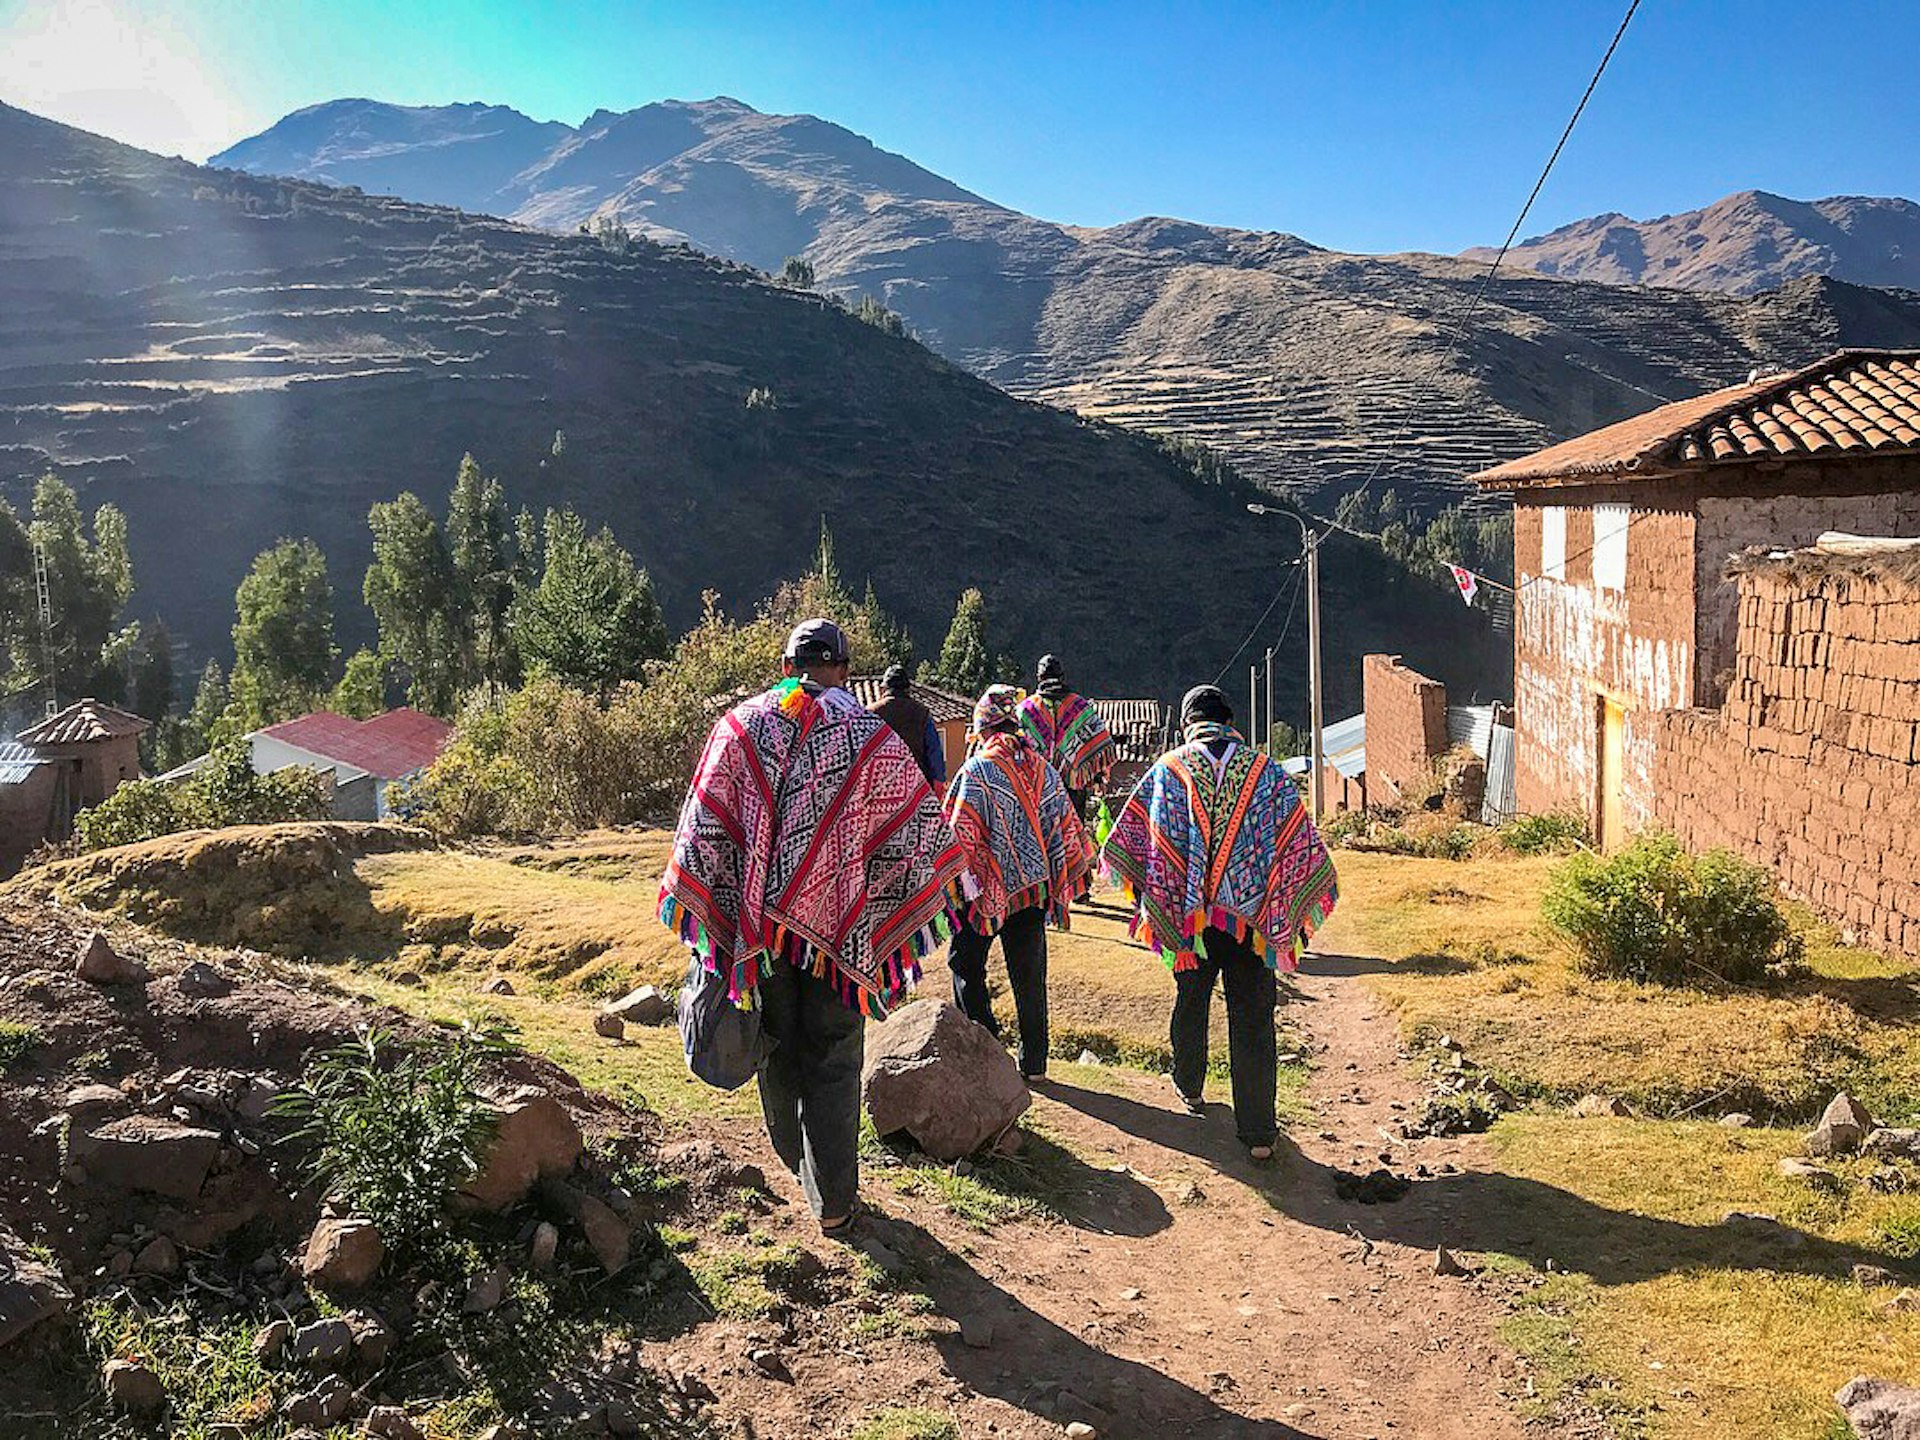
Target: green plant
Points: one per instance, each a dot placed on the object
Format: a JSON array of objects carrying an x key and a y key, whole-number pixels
[
  {"x": 907, "y": 1424},
  {"x": 17, "y": 1043},
  {"x": 397, "y": 1124},
  {"x": 1657, "y": 914},
  {"x": 223, "y": 791},
  {"x": 1553, "y": 832}
]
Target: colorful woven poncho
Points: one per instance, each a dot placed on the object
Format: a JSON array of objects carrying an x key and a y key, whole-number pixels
[
  {"x": 1071, "y": 734},
  {"x": 1221, "y": 842},
  {"x": 1016, "y": 825},
  {"x": 810, "y": 834}
]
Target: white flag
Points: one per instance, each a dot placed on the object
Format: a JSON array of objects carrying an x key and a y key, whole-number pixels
[{"x": 1468, "y": 582}]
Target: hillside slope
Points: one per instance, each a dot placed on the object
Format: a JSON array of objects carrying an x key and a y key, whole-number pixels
[
  {"x": 233, "y": 359},
  {"x": 1742, "y": 244},
  {"x": 1305, "y": 366}
]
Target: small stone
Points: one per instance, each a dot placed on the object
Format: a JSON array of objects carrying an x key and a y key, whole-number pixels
[
  {"x": 1130, "y": 1294},
  {"x": 343, "y": 1253},
  {"x": 1871, "y": 1277},
  {"x": 87, "y": 1101},
  {"x": 390, "y": 1422},
  {"x": 1080, "y": 1430},
  {"x": 1087, "y": 1057},
  {"x": 1190, "y": 1194},
  {"x": 145, "y": 1152},
  {"x": 1842, "y": 1128},
  {"x": 644, "y": 1006},
  {"x": 326, "y": 1404},
  {"x": 200, "y": 981},
  {"x": 769, "y": 1363},
  {"x": 1445, "y": 1042},
  {"x": 622, "y": 1420},
  {"x": 543, "y": 1247},
  {"x": 101, "y": 964},
  {"x": 372, "y": 1339},
  {"x": 1797, "y": 1169},
  {"x": 609, "y": 1027},
  {"x": 1898, "y": 1144},
  {"x": 1737, "y": 1120},
  {"x": 158, "y": 1257},
  {"x": 485, "y": 1292},
  {"x": 322, "y": 1343},
  {"x": 411, "y": 979},
  {"x": 133, "y": 1387},
  {"x": 120, "y": 1263},
  {"x": 497, "y": 985},
  {"x": 253, "y": 1098},
  {"x": 271, "y": 1338},
  {"x": 1591, "y": 1107},
  {"x": 1445, "y": 1262}
]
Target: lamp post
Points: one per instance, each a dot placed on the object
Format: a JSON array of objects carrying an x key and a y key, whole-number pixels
[{"x": 1311, "y": 543}]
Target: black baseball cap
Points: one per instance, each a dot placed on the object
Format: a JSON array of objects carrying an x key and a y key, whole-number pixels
[
  {"x": 817, "y": 642},
  {"x": 1206, "y": 702}
]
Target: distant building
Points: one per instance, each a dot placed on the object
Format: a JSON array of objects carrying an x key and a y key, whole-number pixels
[
  {"x": 1343, "y": 771},
  {"x": 363, "y": 757},
  {"x": 58, "y": 767},
  {"x": 1621, "y": 538},
  {"x": 1140, "y": 737}
]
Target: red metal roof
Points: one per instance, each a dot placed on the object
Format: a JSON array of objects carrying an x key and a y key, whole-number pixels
[
  {"x": 82, "y": 722},
  {"x": 389, "y": 746},
  {"x": 1853, "y": 403}
]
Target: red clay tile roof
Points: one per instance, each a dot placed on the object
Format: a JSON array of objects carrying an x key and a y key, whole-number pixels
[
  {"x": 944, "y": 705},
  {"x": 83, "y": 722},
  {"x": 1855, "y": 402},
  {"x": 388, "y": 746}
]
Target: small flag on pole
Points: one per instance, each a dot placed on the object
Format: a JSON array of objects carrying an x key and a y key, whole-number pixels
[{"x": 1468, "y": 582}]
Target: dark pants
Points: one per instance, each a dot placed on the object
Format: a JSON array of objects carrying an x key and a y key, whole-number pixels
[
  {"x": 1023, "y": 940},
  {"x": 1252, "y": 993},
  {"x": 810, "y": 1085}
]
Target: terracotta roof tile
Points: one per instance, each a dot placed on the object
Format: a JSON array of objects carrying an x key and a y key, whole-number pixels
[
  {"x": 943, "y": 705},
  {"x": 84, "y": 722},
  {"x": 1855, "y": 402}
]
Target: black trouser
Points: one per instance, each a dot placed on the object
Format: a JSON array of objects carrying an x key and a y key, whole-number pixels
[
  {"x": 810, "y": 1085},
  {"x": 1023, "y": 940},
  {"x": 1252, "y": 993}
]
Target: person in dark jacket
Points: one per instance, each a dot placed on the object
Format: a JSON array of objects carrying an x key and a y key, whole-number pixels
[{"x": 913, "y": 723}]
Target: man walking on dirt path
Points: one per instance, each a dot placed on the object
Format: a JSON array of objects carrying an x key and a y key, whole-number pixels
[
  {"x": 1028, "y": 855},
  {"x": 913, "y": 723},
  {"x": 1069, "y": 731},
  {"x": 811, "y": 871},
  {"x": 1228, "y": 879}
]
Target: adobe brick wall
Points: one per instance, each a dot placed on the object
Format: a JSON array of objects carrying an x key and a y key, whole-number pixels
[
  {"x": 1812, "y": 766},
  {"x": 1406, "y": 727}
]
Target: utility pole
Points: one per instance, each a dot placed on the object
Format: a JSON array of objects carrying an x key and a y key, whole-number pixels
[
  {"x": 1266, "y": 742},
  {"x": 43, "y": 597},
  {"x": 1311, "y": 543},
  {"x": 1253, "y": 699}
]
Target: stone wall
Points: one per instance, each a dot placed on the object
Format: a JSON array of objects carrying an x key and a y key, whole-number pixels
[
  {"x": 1406, "y": 728},
  {"x": 1812, "y": 766}
]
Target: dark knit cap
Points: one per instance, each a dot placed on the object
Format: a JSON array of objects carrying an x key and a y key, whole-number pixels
[
  {"x": 1051, "y": 668},
  {"x": 1205, "y": 702},
  {"x": 895, "y": 680}
]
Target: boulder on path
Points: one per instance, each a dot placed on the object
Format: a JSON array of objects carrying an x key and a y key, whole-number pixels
[
  {"x": 1880, "y": 1409},
  {"x": 535, "y": 1139},
  {"x": 1591, "y": 1107},
  {"x": 30, "y": 1290},
  {"x": 939, "y": 1077},
  {"x": 1841, "y": 1129},
  {"x": 146, "y": 1152},
  {"x": 645, "y": 1006},
  {"x": 609, "y": 1026},
  {"x": 343, "y": 1253},
  {"x": 1894, "y": 1144},
  {"x": 101, "y": 964},
  {"x": 133, "y": 1387}
]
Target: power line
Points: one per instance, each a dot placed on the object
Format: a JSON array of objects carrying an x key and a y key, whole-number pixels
[{"x": 1272, "y": 605}]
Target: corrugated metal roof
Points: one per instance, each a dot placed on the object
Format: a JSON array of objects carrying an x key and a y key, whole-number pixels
[
  {"x": 1853, "y": 403},
  {"x": 84, "y": 722},
  {"x": 1343, "y": 743},
  {"x": 943, "y": 705},
  {"x": 1471, "y": 726},
  {"x": 17, "y": 762}
]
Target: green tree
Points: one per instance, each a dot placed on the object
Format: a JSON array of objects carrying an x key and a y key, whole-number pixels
[
  {"x": 283, "y": 650},
  {"x": 89, "y": 578},
  {"x": 480, "y": 547},
  {"x": 797, "y": 274},
  {"x": 410, "y": 587},
  {"x": 889, "y": 636},
  {"x": 592, "y": 620},
  {"x": 879, "y": 316},
  {"x": 362, "y": 691},
  {"x": 210, "y": 701},
  {"x": 151, "y": 683},
  {"x": 966, "y": 661}
]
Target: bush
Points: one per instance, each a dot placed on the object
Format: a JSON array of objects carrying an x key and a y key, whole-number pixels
[
  {"x": 1656, "y": 914},
  {"x": 397, "y": 1125},
  {"x": 138, "y": 810},
  {"x": 224, "y": 791},
  {"x": 1557, "y": 832}
]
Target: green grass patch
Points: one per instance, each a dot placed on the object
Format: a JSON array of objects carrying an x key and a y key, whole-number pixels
[
  {"x": 18, "y": 1044},
  {"x": 203, "y": 1356},
  {"x": 907, "y": 1424},
  {"x": 752, "y": 1284}
]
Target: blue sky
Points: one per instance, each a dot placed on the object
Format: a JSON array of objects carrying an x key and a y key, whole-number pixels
[{"x": 1375, "y": 125}]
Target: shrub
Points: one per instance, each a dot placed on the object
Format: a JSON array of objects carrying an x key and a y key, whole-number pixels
[
  {"x": 224, "y": 791},
  {"x": 18, "y": 1042},
  {"x": 1656, "y": 914},
  {"x": 138, "y": 810},
  {"x": 1556, "y": 832},
  {"x": 397, "y": 1125}
]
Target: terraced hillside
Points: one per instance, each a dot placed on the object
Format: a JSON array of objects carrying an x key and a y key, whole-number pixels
[
  {"x": 232, "y": 359},
  {"x": 1307, "y": 367}
]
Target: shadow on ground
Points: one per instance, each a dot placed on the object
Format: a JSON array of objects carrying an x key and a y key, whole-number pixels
[{"x": 1487, "y": 1211}]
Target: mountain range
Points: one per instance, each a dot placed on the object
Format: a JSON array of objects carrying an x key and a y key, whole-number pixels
[
  {"x": 232, "y": 359},
  {"x": 1310, "y": 369}
]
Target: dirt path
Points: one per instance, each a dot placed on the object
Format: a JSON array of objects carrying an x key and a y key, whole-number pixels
[{"x": 1193, "y": 1294}]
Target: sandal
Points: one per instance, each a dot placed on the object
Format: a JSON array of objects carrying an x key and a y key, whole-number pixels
[
  {"x": 1260, "y": 1154},
  {"x": 1193, "y": 1104}
]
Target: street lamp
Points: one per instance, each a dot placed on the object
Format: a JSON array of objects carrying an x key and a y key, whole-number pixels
[{"x": 1310, "y": 541}]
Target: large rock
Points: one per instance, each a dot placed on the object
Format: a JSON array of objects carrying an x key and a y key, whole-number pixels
[
  {"x": 1880, "y": 1409},
  {"x": 1594, "y": 1107},
  {"x": 1841, "y": 1129},
  {"x": 343, "y": 1253},
  {"x": 1895, "y": 1144},
  {"x": 609, "y": 1235},
  {"x": 936, "y": 1075},
  {"x": 326, "y": 1404},
  {"x": 146, "y": 1152},
  {"x": 133, "y": 1387},
  {"x": 536, "y": 1139},
  {"x": 323, "y": 1344},
  {"x": 30, "y": 1289},
  {"x": 101, "y": 964},
  {"x": 645, "y": 1006}
]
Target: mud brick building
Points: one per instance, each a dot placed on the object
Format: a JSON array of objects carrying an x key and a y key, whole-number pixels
[
  {"x": 1406, "y": 728},
  {"x": 59, "y": 767},
  {"x": 1621, "y": 542},
  {"x": 1812, "y": 765}
]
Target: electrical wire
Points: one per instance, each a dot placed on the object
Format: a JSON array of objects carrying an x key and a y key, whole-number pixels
[{"x": 1299, "y": 571}]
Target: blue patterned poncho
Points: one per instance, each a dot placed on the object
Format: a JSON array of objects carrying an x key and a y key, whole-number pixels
[
  {"x": 1224, "y": 842},
  {"x": 1016, "y": 825}
]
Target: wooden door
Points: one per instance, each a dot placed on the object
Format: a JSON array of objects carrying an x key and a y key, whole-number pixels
[{"x": 1613, "y": 750}]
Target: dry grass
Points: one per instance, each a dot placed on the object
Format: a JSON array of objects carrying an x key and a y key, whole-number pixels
[{"x": 1461, "y": 950}]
